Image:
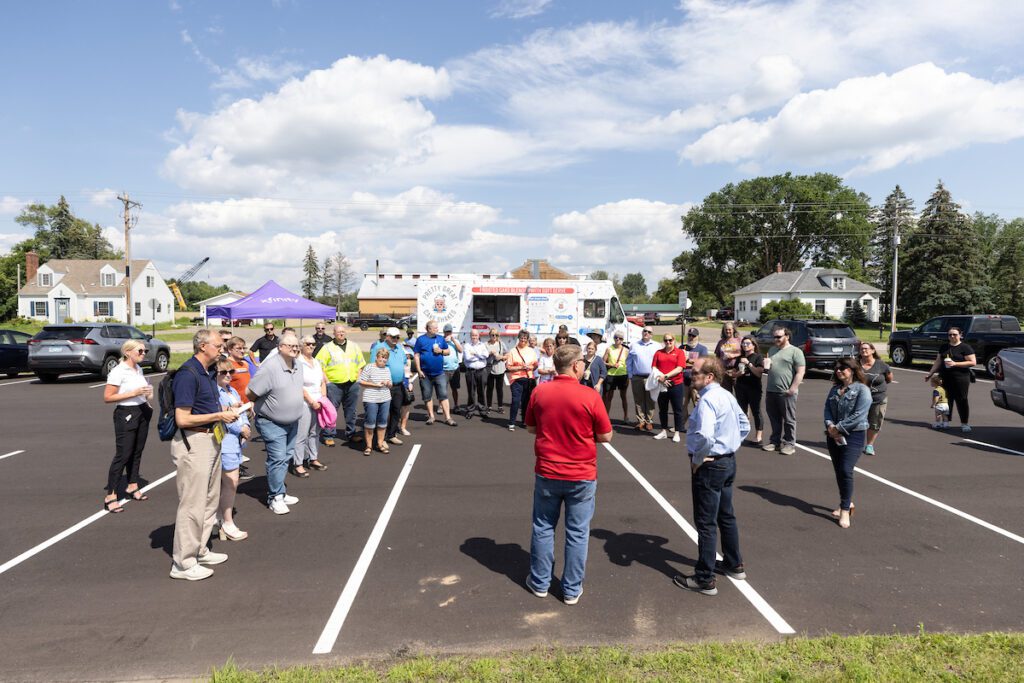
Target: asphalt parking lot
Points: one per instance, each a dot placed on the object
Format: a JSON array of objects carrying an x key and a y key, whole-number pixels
[{"x": 425, "y": 550}]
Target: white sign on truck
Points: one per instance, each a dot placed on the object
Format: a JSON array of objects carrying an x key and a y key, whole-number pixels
[{"x": 509, "y": 306}]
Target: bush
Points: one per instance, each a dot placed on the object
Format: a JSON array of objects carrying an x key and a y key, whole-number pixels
[
  {"x": 784, "y": 309},
  {"x": 855, "y": 316}
]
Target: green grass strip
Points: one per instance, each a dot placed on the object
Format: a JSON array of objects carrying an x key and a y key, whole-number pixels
[{"x": 925, "y": 657}]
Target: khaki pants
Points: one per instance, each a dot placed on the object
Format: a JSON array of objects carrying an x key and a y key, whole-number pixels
[
  {"x": 642, "y": 400},
  {"x": 198, "y": 495}
]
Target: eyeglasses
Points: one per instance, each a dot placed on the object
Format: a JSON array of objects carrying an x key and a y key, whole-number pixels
[
  {"x": 309, "y": 343},
  {"x": 294, "y": 347},
  {"x": 141, "y": 350},
  {"x": 778, "y": 336},
  {"x": 669, "y": 339},
  {"x": 225, "y": 372}
]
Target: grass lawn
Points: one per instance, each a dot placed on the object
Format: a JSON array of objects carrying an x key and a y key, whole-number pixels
[
  {"x": 177, "y": 358},
  {"x": 924, "y": 657}
]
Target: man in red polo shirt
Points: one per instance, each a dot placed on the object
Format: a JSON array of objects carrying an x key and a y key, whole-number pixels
[{"x": 569, "y": 420}]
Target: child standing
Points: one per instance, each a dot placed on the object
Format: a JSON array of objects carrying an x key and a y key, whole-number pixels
[{"x": 939, "y": 404}]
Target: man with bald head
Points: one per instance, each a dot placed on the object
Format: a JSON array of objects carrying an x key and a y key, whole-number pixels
[
  {"x": 277, "y": 392},
  {"x": 342, "y": 360}
]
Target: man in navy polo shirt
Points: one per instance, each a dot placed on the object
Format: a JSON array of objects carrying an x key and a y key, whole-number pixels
[
  {"x": 429, "y": 352},
  {"x": 196, "y": 411},
  {"x": 569, "y": 420}
]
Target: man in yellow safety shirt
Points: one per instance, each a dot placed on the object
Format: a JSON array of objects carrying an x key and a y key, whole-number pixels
[{"x": 342, "y": 360}]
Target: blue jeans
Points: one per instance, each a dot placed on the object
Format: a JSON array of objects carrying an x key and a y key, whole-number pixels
[
  {"x": 712, "y": 511},
  {"x": 436, "y": 383},
  {"x": 376, "y": 415},
  {"x": 548, "y": 497},
  {"x": 520, "y": 397},
  {"x": 844, "y": 459},
  {"x": 279, "y": 441},
  {"x": 345, "y": 398}
]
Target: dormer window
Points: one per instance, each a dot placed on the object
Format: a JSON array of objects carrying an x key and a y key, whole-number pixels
[
  {"x": 45, "y": 279},
  {"x": 839, "y": 283},
  {"x": 108, "y": 279}
]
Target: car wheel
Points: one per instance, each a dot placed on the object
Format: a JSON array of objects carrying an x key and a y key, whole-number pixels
[
  {"x": 162, "y": 361},
  {"x": 403, "y": 326},
  {"x": 991, "y": 364},
  {"x": 364, "y": 327},
  {"x": 47, "y": 377},
  {"x": 898, "y": 354},
  {"x": 12, "y": 374},
  {"x": 108, "y": 365}
]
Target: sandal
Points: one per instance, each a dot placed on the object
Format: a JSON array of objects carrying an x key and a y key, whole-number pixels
[
  {"x": 367, "y": 451},
  {"x": 137, "y": 494},
  {"x": 317, "y": 465},
  {"x": 451, "y": 423},
  {"x": 430, "y": 421},
  {"x": 113, "y": 510},
  {"x": 384, "y": 450}
]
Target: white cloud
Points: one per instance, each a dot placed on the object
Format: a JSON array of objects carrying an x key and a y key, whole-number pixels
[
  {"x": 520, "y": 9},
  {"x": 878, "y": 121},
  {"x": 11, "y": 205},
  {"x": 104, "y": 197}
]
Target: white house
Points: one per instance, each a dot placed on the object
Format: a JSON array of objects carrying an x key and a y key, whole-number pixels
[
  {"x": 830, "y": 292},
  {"x": 222, "y": 299},
  {"x": 80, "y": 290}
]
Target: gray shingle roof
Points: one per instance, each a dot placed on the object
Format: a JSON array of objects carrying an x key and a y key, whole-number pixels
[
  {"x": 82, "y": 276},
  {"x": 808, "y": 280}
]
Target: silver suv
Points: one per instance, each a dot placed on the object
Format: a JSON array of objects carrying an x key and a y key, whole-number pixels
[{"x": 89, "y": 347}]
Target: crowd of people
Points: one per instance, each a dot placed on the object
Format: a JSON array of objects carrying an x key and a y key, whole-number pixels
[{"x": 297, "y": 395}]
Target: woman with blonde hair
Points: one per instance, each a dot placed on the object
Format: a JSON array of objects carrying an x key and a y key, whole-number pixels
[
  {"x": 129, "y": 389},
  {"x": 314, "y": 390},
  {"x": 235, "y": 435}
]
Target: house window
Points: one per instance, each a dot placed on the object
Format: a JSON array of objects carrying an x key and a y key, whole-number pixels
[
  {"x": 138, "y": 309},
  {"x": 743, "y": 305},
  {"x": 849, "y": 304},
  {"x": 753, "y": 305},
  {"x": 101, "y": 309},
  {"x": 45, "y": 279},
  {"x": 415, "y": 276},
  {"x": 108, "y": 279},
  {"x": 159, "y": 306},
  {"x": 398, "y": 276},
  {"x": 39, "y": 309},
  {"x": 819, "y": 306},
  {"x": 150, "y": 280},
  {"x": 839, "y": 283}
]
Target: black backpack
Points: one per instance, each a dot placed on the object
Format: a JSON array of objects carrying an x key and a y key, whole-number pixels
[{"x": 166, "y": 425}]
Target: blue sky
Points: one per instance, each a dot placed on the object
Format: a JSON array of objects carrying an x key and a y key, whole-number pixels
[{"x": 468, "y": 136}]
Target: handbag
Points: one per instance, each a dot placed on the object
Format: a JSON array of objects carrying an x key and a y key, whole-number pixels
[{"x": 974, "y": 378}]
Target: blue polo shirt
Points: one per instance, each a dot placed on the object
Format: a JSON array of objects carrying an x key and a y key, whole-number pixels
[
  {"x": 432, "y": 364},
  {"x": 198, "y": 393},
  {"x": 396, "y": 360}
]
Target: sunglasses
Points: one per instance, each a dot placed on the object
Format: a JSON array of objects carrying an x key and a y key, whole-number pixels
[
  {"x": 309, "y": 343},
  {"x": 140, "y": 350},
  {"x": 669, "y": 339},
  {"x": 268, "y": 329},
  {"x": 225, "y": 372},
  {"x": 778, "y": 336}
]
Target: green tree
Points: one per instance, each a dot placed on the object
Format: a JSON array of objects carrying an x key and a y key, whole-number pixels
[
  {"x": 614, "y": 277},
  {"x": 197, "y": 290},
  {"x": 894, "y": 217},
  {"x": 60, "y": 234},
  {"x": 667, "y": 291},
  {"x": 743, "y": 230},
  {"x": 945, "y": 269},
  {"x": 1008, "y": 269},
  {"x": 855, "y": 315},
  {"x": 9, "y": 275},
  {"x": 786, "y": 308},
  {"x": 342, "y": 278},
  {"x": 634, "y": 288},
  {"x": 325, "y": 281},
  {"x": 310, "y": 273}
]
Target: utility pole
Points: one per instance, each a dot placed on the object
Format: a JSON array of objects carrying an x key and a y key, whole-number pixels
[
  {"x": 129, "y": 223},
  {"x": 895, "y": 272}
]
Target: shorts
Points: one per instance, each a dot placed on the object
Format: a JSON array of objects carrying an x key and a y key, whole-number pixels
[
  {"x": 230, "y": 461},
  {"x": 876, "y": 416},
  {"x": 942, "y": 408},
  {"x": 429, "y": 384},
  {"x": 453, "y": 378},
  {"x": 614, "y": 382},
  {"x": 376, "y": 415}
]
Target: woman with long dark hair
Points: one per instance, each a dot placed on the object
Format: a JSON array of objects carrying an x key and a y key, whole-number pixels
[
  {"x": 953, "y": 364},
  {"x": 878, "y": 375},
  {"x": 846, "y": 421},
  {"x": 747, "y": 379}
]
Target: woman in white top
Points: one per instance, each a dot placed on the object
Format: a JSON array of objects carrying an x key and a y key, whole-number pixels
[
  {"x": 314, "y": 388},
  {"x": 128, "y": 388}
]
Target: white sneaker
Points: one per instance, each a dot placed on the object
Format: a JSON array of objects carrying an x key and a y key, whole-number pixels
[
  {"x": 290, "y": 500},
  {"x": 196, "y": 572},
  {"x": 246, "y": 458},
  {"x": 278, "y": 507},
  {"x": 675, "y": 438},
  {"x": 406, "y": 432},
  {"x": 209, "y": 557},
  {"x": 661, "y": 435},
  {"x": 511, "y": 428},
  {"x": 574, "y": 599},
  {"x": 966, "y": 429}
]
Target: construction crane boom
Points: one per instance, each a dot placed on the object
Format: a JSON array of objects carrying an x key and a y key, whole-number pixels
[{"x": 183, "y": 278}]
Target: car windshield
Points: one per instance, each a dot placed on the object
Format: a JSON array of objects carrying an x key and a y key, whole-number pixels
[
  {"x": 62, "y": 333},
  {"x": 831, "y": 331}
]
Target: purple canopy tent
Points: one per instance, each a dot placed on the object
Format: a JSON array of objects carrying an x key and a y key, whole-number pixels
[{"x": 272, "y": 301}]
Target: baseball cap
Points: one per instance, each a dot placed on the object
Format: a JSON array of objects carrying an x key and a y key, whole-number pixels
[
  {"x": 393, "y": 332},
  {"x": 693, "y": 332},
  {"x": 447, "y": 327}
]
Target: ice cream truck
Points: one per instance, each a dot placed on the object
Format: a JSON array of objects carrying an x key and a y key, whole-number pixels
[{"x": 509, "y": 306}]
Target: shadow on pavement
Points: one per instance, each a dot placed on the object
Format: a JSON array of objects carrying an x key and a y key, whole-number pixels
[
  {"x": 162, "y": 538},
  {"x": 776, "y": 498},
  {"x": 650, "y": 551},
  {"x": 509, "y": 559}
]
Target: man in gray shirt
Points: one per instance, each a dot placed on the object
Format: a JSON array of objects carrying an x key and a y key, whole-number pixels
[{"x": 277, "y": 391}]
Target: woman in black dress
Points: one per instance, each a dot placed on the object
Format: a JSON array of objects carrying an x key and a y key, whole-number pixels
[
  {"x": 954, "y": 364},
  {"x": 747, "y": 377}
]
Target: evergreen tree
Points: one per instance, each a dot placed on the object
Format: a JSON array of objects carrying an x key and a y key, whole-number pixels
[
  {"x": 1008, "y": 269},
  {"x": 855, "y": 315},
  {"x": 895, "y": 217},
  {"x": 59, "y": 234},
  {"x": 944, "y": 271},
  {"x": 310, "y": 273},
  {"x": 326, "y": 280}
]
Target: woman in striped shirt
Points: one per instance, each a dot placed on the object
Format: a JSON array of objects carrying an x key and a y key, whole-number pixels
[{"x": 375, "y": 380}]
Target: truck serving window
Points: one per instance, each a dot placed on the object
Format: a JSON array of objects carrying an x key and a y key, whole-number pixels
[
  {"x": 495, "y": 309},
  {"x": 594, "y": 308},
  {"x": 616, "y": 316}
]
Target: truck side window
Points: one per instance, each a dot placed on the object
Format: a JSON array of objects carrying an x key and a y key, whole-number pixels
[
  {"x": 495, "y": 309},
  {"x": 594, "y": 308},
  {"x": 933, "y": 326},
  {"x": 616, "y": 315}
]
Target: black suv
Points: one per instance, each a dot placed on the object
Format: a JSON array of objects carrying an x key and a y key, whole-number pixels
[{"x": 822, "y": 341}]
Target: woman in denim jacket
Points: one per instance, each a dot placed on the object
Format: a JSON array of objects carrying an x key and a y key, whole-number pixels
[{"x": 846, "y": 421}]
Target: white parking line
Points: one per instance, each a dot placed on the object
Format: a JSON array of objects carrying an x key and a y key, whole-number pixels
[
  {"x": 7, "y": 455},
  {"x": 755, "y": 599},
  {"x": 939, "y": 504},
  {"x": 11, "y": 564},
  {"x": 992, "y": 445},
  {"x": 36, "y": 379},
  {"x": 348, "y": 595},
  {"x": 20, "y": 381}
]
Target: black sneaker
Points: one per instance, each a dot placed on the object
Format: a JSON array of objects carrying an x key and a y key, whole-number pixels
[
  {"x": 691, "y": 583},
  {"x": 244, "y": 474},
  {"x": 736, "y": 572}
]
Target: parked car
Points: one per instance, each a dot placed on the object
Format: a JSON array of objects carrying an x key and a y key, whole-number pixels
[
  {"x": 376, "y": 320},
  {"x": 89, "y": 347},
  {"x": 986, "y": 334},
  {"x": 822, "y": 341},
  {"x": 13, "y": 352},
  {"x": 1008, "y": 392},
  {"x": 406, "y": 322}
]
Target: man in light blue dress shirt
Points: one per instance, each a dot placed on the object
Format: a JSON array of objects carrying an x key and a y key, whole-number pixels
[{"x": 715, "y": 430}]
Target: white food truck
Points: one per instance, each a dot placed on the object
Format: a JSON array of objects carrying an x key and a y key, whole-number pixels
[{"x": 538, "y": 306}]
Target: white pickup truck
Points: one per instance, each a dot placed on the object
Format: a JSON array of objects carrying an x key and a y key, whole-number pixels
[{"x": 1009, "y": 375}]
